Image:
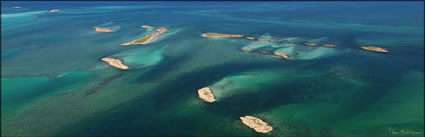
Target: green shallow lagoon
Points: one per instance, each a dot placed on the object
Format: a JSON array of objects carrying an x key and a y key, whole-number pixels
[{"x": 55, "y": 84}]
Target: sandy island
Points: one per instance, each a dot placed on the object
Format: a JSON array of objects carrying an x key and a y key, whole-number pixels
[
  {"x": 284, "y": 56},
  {"x": 246, "y": 50},
  {"x": 329, "y": 45},
  {"x": 375, "y": 49},
  {"x": 219, "y": 35},
  {"x": 257, "y": 124},
  {"x": 53, "y": 10},
  {"x": 147, "y": 27},
  {"x": 311, "y": 44},
  {"x": 147, "y": 39},
  {"x": 250, "y": 38},
  {"x": 100, "y": 29},
  {"x": 17, "y": 7},
  {"x": 272, "y": 40},
  {"x": 206, "y": 95},
  {"x": 115, "y": 63}
]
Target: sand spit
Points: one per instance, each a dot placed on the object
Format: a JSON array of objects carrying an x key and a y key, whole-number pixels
[
  {"x": 284, "y": 56},
  {"x": 250, "y": 38},
  {"x": 147, "y": 39},
  {"x": 206, "y": 95},
  {"x": 53, "y": 10},
  {"x": 257, "y": 124},
  {"x": 115, "y": 63},
  {"x": 311, "y": 44},
  {"x": 375, "y": 49},
  {"x": 17, "y": 7},
  {"x": 147, "y": 27},
  {"x": 329, "y": 45},
  {"x": 219, "y": 35},
  {"x": 100, "y": 29}
]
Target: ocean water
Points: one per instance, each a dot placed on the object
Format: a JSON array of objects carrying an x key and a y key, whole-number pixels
[{"x": 53, "y": 82}]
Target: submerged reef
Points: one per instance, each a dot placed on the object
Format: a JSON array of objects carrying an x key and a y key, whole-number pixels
[
  {"x": 147, "y": 39},
  {"x": 115, "y": 63},
  {"x": 206, "y": 95},
  {"x": 257, "y": 124},
  {"x": 219, "y": 35}
]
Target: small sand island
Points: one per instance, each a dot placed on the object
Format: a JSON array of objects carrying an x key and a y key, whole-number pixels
[
  {"x": 147, "y": 39},
  {"x": 291, "y": 42},
  {"x": 219, "y": 35},
  {"x": 257, "y": 124},
  {"x": 284, "y": 56},
  {"x": 115, "y": 63},
  {"x": 53, "y": 10},
  {"x": 311, "y": 44},
  {"x": 262, "y": 39},
  {"x": 147, "y": 27},
  {"x": 329, "y": 45},
  {"x": 272, "y": 40},
  {"x": 17, "y": 7},
  {"x": 100, "y": 29},
  {"x": 206, "y": 95},
  {"x": 246, "y": 50},
  {"x": 250, "y": 38},
  {"x": 375, "y": 49}
]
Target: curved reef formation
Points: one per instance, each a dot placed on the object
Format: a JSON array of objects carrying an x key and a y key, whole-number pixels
[
  {"x": 257, "y": 124},
  {"x": 147, "y": 39},
  {"x": 311, "y": 44},
  {"x": 206, "y": 95},
  {"x": 250, "y": 38},
  {"x": 284, "y": 56},
  {"x": 374, "y": 49},
  {"x": 100, "y": 29},
  {"x": 53, "y": 10},
  {"x": 147, "y": 27},
  {"x": 219, "y": 35},
  {"x": 329, "y": 45},
  {"x": 291, "y": 42},
  {"x": 115, "y": 63}
]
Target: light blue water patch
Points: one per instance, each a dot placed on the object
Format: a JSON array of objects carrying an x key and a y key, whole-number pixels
[
  {"x": 17, "y": 19},
  {"x": 318, "y": 52},
  {"x": 141, "y": 57},
  {"x": 318, "y": 40},
  {"x": 257, "y": 45}
]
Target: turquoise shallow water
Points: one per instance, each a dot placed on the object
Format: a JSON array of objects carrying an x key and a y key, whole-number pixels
[{"x": 55, "y": 84}]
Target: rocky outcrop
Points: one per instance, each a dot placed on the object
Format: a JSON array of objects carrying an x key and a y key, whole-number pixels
[
  {"x": 53, "y": 10},
  {"x": 206, "y": 95},
  {"x": 219, "y": 35},
  {"x": 329, "y": 45},
  {"x": 374, "y": 49},
  {"x": 147, "y": 27},
  {"x": 147, "y": 39},
  {"x": 311, "y": 44},
  {"x": 284, "y": 56},
  {"x": 257, "y": 124},
  {"x": 115, "y": 63},
  {"x": 100, "y": 29},
  {"x": 250, "y": 38}
]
